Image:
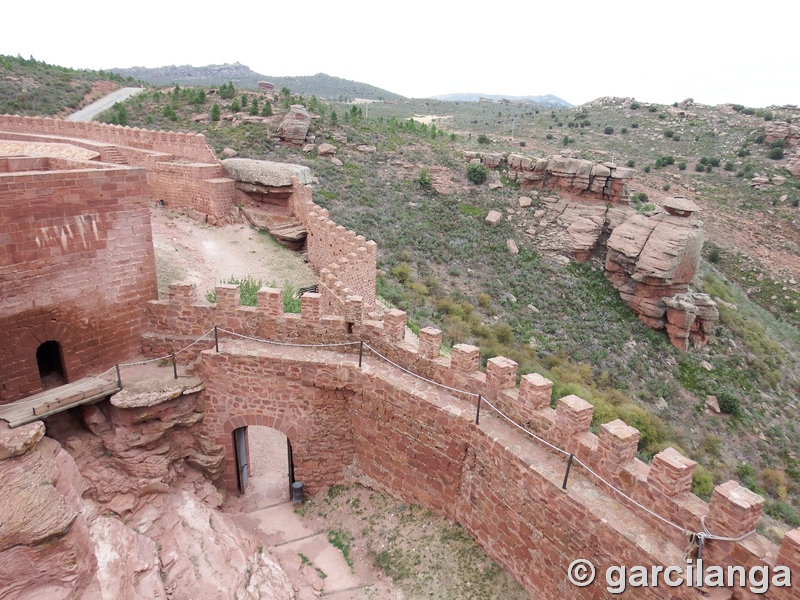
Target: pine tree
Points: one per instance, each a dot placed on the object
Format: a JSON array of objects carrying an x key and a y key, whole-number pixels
[{"x": 215, "y": 112}]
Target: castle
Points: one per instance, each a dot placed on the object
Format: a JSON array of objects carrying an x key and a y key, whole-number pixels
[{"x": 77, "y": 278}]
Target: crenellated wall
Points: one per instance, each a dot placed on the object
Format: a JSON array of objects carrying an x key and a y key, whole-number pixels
[
  {"x": 421, "y": 442},
  {"x": 187, "y": 146},
  {"x": 345, "y": 261},
  {"x": 181, "y": 169}
]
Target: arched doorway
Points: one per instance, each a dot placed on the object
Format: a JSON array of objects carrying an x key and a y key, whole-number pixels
[
  {"x": 264, "y": 466},
  {"x": 51, "y": 364}
]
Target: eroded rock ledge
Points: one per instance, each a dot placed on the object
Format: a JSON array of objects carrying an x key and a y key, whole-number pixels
[{"x": 118, "y": 503}]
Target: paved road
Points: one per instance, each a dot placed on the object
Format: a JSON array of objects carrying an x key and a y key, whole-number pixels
[{"x": 87, "y": 113}]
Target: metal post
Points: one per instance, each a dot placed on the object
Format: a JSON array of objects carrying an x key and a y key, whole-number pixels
[
  {"x": 566, "y": 475},
  {"x": 216, "y": 339},
  {"x": 360, "y": 352},
  {"x": 478, "y": 413},
  {"x": 119, "y": 377},
  {"x": 174, "y": 366}
]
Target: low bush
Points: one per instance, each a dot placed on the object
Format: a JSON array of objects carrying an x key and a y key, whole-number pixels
[{"x": 477, "y": 174}]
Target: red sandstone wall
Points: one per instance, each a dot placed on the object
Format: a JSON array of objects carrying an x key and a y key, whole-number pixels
[
  {"x": 202, "y": 187},
  {"x": 184, "y": 145},
  {"x": 421, "y": 444},
  {"x": 76, "y": 266},
  {"x": 346, "y": 262}
]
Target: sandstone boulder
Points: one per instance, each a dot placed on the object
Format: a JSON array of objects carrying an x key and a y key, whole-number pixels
[
  {"x": 494, "y": 217},
  {"x": 294, "y": 127},
  {"x": 266, "y": 173},
  {"x": 650, "y": 260},
  {"x": 326, "y": 150}
]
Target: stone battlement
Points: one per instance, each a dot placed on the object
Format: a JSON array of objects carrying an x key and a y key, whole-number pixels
[
  {"x": 664, "y": 486},
  {"x": 187, "y": 146}
]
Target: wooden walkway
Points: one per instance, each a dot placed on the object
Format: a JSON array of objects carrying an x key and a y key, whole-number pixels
[{"x": 50, "y": 402}]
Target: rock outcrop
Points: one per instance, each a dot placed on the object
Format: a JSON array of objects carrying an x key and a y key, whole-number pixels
[
  {"x": 61, "y": 535},
  {"x": 572, "y": 176},
  {"x": 264, "y": 191},
  {"x": 651, "y": 260},
  {"x": 781, "y": 131},
  {"x": 793, "y": 165},
  {"x": 294, "y": 127}
]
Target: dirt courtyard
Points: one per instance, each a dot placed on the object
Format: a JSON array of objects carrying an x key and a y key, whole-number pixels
[{"x": 187, "y": 250}]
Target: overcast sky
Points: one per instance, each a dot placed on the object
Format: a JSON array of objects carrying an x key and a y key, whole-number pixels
[{"x": 662, "y": 52}]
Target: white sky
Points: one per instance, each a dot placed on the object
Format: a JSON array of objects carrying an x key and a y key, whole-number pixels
[{"x": 664, "y": 51}]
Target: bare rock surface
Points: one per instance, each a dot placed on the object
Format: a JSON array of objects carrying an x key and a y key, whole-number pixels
[
  {"x": 18, "y": 441},
  {"x": 45, "y": 545},
  {"x": 264, "y": 172},
  {"x": 204, "y": 554},
  {"x": 294, "y": 127},
  {"x": 152, "y": 392}
]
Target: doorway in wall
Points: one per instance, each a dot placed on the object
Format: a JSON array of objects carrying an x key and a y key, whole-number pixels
[
  {"x": 263, "y": 464},
  {"x": 51, "y": 364}
]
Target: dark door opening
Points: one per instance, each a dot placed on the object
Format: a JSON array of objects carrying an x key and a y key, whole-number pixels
[
  {"x": 240, "y": 444},
  {"x": 51, "y": 365}
]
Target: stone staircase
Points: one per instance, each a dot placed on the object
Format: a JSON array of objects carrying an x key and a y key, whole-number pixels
[{"x": 110, "y": 154}]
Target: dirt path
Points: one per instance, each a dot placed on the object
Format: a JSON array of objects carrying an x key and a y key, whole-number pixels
[
  {"x": 87, "y": 113},
  {"x": 187, "y": 250}
]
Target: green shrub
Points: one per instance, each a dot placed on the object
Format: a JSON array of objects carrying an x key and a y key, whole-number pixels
[
  {"x": 713, "y": 255},
  {"x": 647, "y": 169},
  {"x": 549, "y": 136},
  {"x": 729, "y": 166},
  {"x": 608, "y": 130},
  {"x": 784, "y": 512},
  {"x": 215, "y": 113},
  {"x": 668, "y": 133},
  {"x": 702, "y": 483},
  {"x": 235, "y": 107},
  {"x": 477, "y": 174},
  {"x": 634, "y": 126},
  {"x": 424, "y": 179},
  {"x": 775, "y": 153},
  {"x": 631, "y": 163},
  {"x": 483, "y": 139},
  {"x": 699, "y": 167},
  {"x": 652, "y": 109},
  {"x": 665, "y": 187},
  {"x": 227, "y": 91},
  {"x": 624, "y": 130},
  {"x": 266, "y": 110},
  {"x": 729, "y": 403},
  {"x": 635, "y": 105},
  {"x": 682, "y": 165}
]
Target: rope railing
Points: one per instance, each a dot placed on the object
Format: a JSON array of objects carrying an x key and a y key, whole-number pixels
[{"x": 697, "y": 538}]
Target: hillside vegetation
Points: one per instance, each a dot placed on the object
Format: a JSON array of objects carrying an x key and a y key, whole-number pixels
[
  {"x": 441, "y": 263},
  {"x": 31, "y": 87}
]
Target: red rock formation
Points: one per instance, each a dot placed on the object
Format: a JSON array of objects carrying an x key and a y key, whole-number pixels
[
  {"x": 651, "y": 260},
  {"x": 294, "y": 127}
]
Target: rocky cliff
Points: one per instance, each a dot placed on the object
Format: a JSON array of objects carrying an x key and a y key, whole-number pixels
[{"x": 117, "y": 502}]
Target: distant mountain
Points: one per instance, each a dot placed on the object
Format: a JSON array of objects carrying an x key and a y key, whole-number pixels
[
  {"x": 242, "y": 76},
  {"x": 548, "y": 100}
]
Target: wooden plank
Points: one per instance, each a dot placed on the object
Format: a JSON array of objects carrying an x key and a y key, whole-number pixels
[
  {"x": 67, "y": 400},
  {"x": 50, "y": 402}
]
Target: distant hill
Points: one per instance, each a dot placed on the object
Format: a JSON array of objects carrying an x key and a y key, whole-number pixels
[
  {"x": 547, "y": 100},
  {"x": 242, "y": 76}
]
